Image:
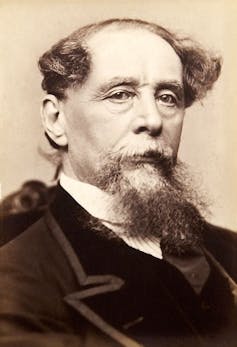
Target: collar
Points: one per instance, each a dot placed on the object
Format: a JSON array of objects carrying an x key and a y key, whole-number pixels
[
  {"x": 91, "y": 198},
  {"x": 98, "y": 204}
]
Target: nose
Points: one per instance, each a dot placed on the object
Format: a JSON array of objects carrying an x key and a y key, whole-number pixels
[{"x": 148, "y": 118}]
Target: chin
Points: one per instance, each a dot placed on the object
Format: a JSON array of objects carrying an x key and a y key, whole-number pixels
[{"x": 144, "y": 177}]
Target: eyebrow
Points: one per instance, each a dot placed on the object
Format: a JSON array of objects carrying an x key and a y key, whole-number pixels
[
  {"x": 173, "y": 85},
  {"x": 118, "y": 81}
]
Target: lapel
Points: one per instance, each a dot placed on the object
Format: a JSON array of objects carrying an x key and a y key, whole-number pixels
[{"x": 90, "y": 285}]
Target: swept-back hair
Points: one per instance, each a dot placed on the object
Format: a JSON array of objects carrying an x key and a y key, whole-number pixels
[{"x": 67, "y": 63}]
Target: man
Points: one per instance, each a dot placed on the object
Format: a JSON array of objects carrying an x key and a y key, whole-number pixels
[{"x": 123, "y": 257}]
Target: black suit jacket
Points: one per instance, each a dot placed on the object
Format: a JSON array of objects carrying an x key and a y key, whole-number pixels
[{"x": 65, "y": 284}]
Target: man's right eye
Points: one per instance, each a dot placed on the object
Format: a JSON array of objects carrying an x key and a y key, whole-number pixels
[{"x": 120, "y": 96}]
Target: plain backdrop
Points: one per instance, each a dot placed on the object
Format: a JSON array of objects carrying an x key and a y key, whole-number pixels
[{"x": 209, "y": 142}]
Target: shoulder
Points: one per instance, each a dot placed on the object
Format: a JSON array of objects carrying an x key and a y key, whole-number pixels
[
  {"x": 29, "y": 242},
  {"x": 13, "y": 225},
  {"x": 35, "y": 254},
  {"x": 222, "y": 243}
]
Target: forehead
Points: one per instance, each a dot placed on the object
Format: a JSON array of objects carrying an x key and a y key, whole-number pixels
[{"x": 133, "y": 51}]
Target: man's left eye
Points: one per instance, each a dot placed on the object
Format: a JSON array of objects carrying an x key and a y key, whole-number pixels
[{"x": 167, "y": 99}]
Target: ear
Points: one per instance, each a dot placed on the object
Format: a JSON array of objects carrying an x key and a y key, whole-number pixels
[{"x": 53, "y": 120}]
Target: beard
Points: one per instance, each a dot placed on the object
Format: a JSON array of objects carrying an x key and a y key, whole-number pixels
[{"x": 154, "y": 196}]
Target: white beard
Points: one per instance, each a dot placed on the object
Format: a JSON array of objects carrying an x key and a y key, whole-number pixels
[{"x": 155, "y": 198}]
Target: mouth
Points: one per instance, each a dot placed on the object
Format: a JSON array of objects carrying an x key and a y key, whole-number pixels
[
  {"x": 157, "y": 161},
  {"x": 142, "y": 160},
  {"x": 150, "y": 158}
]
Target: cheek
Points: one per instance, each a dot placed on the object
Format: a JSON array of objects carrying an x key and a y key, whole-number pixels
[
  {"x": 79, "y": 123},
  {"x": 173, "y": 130},
  {"x": 95, "y": 134},
  {"x": 106, "y": 130},
  {"x": 105, "y": 135}
]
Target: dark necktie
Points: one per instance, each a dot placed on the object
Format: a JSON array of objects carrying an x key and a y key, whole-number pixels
[{"x": 194, "y": 268}]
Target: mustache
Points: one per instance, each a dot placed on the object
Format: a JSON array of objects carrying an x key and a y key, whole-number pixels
[
  {"x": 160, "y": 160},
  {"x": 143, "y": 148}
]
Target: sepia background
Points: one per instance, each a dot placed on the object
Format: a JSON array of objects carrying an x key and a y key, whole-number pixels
[{"x": 209, "y": 143}]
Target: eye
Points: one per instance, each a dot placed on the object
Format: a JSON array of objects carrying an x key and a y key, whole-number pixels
[
  {"x": 120, "y": 96},
  {"x": 167, "y": 99}
]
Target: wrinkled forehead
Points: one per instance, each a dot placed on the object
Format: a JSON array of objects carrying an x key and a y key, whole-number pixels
[{"x": 130, "y": 50}]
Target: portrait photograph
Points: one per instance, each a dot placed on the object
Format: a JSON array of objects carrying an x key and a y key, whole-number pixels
[{"x": 118, "y": 166}]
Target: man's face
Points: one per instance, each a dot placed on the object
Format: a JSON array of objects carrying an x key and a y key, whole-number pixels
[{"x": 132, "y": 102}]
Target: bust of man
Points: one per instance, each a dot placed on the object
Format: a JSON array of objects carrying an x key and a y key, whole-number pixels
[{"x": 123, "y": 256}]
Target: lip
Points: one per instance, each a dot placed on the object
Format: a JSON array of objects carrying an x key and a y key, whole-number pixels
[{"x": 142, "y": 160}]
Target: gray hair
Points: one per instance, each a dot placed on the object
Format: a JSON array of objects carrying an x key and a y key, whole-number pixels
[{"x": 67, "y": 63}]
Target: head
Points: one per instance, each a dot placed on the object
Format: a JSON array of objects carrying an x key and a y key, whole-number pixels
[{"x": 116, "y": 98}]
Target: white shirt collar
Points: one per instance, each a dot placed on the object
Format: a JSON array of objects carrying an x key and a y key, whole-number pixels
[
  {"x": 91, "y": 198},
  {"x": 98, "y": 203}
]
